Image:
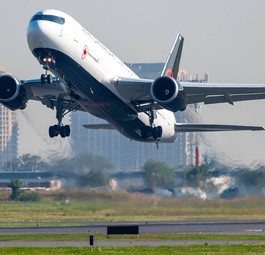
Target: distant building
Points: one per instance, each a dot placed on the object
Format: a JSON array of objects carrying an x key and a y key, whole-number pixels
[
  {"x": 8, "y": 136},
  {"x": 119, "y": 150}
]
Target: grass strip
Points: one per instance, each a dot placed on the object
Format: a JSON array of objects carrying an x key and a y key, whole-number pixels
[
  {"x": 64, "y": 207},
  {"x": 187, "y": 250},
  {"x": 143, "y": 237}
]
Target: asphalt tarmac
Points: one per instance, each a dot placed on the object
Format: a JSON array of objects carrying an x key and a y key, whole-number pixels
[{"x": 180, "y": 227}]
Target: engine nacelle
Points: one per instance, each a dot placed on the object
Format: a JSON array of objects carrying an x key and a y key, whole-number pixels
[
  {"x": 12, "y": 93},
  {"x": 168, "y": 93}
]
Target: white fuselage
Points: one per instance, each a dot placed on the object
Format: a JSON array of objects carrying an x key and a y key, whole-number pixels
[{"x": 86, "y": 68}]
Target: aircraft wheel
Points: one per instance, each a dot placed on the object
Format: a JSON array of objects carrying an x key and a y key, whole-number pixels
[
  {"x": 43, "y": 79},
  {"x": 49, "y": 78},
  {"x": 51, "y": 131},
  {"x": 67, "y": 130},
  {"x": 54, "y": 131},
  {"x": 157, "y": 132}
]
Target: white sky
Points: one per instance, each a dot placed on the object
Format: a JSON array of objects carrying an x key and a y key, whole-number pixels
[{"x": 223, "y": 38}]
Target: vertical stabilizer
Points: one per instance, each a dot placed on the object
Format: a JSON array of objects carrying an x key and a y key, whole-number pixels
[{"x": 171, "y": 67}]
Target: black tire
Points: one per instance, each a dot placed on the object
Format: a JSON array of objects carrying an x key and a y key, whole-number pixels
[
  {"x": 49, "y": 79},
  {"x": 51, "y": 131},
  {"x": 67, "y": 130},
  {"x": 157, "y": 132},
  {"x": 62, "y": 132},
  {"x": 57, "y": 130},
  {"x": 43, "y": 79}
]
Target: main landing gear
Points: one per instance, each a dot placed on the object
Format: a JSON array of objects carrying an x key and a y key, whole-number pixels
[
  {"x": 59, "y": 129},
  {"x": 63, "y": 131},
  {"x": 149, "y": 131},
  {"x": 152, "y": 130}
]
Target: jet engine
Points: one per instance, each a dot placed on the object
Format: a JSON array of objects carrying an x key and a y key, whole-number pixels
[
  {"x": 168, "y": 93},
  {"x": 12, "y": 93}
]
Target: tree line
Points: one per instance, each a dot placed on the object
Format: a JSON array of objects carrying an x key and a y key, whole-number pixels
[{"x": 95, "y": 171}]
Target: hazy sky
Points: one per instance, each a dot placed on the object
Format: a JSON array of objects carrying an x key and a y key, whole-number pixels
[{"x": 224, "y": 38}]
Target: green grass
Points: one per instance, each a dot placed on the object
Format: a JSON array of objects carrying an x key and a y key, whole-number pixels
[
  {"x": 143, "y": 237},
  {"x": 75, "y": 206},
  {"x": 187, "y": 250}
]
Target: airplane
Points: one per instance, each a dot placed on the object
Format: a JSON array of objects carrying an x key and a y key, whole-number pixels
[{"x": 88, "y": 77}]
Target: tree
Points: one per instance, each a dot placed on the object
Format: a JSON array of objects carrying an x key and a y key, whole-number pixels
[
  {"x": 15, "y": 186},
  {"x": 26, "y": 162},
  {"x": 252, "y": 178},
  {"x": 94, "y": 178},
  {"x": 81, "y": 163},
  {"x": 164, "y": 175},
  {"x": 196, "y": 175}
]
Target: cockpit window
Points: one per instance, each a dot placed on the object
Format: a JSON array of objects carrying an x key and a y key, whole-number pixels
[{"x": 51, "y": 18}]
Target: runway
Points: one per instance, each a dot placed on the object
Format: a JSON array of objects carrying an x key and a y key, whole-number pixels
[{"x": 178, "y": 227}]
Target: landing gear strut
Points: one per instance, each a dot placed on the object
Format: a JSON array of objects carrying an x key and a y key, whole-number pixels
[
  {"x": 59, "y": 129},
  {"x": 152, "y": 130}
]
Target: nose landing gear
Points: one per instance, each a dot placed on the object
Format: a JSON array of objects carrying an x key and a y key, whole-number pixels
[
  {"x": 46, "y": 78},
  {"x": 46, "y": 61}
]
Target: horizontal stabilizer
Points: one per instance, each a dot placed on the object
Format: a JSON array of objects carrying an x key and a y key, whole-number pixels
[
  {"x": 99, "y": 126},
  {"x": 182, "y": 127}
]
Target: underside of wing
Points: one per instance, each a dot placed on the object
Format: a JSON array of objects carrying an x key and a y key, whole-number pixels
[
  {"x": 182, "y": 127},
  {"x": 137, "y": 91},
  {"x": 133, "y": 89},
  {"x": 209, "y": 93},
  {"x": 99, "y": 126},
  {"x": 49, "y": 94},
  {"x": 15, "y": 94}
]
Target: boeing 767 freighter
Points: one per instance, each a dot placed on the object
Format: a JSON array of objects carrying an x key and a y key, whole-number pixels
[{"x": 89, "y": 77}]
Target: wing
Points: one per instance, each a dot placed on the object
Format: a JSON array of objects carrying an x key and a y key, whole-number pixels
[
  {"x": 138, "y": 91},
  {"x": 209, "y": 93},
  {"x": 49, "y": 94},
  {"x": 183, "y": 127}
]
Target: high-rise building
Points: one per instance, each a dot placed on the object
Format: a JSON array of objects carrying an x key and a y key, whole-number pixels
[
  {"x": 8, "y": 137},
  {"x": 119, "y": 150}
]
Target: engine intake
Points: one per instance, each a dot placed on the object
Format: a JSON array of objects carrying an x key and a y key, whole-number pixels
[
  {"x": 166, "y": 91},
  {"x": 12, "y": 93}
]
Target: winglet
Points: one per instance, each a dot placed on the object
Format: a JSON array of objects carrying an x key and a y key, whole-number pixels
[{"x": 171, "y": 67}]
